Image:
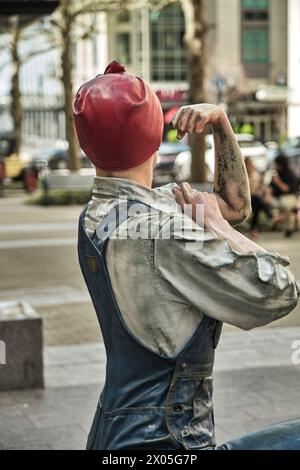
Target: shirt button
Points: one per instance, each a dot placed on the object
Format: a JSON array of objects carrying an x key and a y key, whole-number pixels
[
  {"x": 178, "y": 408},
  {"x": 183, "y": 366},
  {"x": 185, "y": 431}
]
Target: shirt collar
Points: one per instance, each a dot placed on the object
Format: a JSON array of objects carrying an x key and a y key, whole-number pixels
[{"x": 111, "y": 188}]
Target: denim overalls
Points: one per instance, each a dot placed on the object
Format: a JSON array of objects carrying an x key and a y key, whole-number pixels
[{"x": 149, "y": 401}]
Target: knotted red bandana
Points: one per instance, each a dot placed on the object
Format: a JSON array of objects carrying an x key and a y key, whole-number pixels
[{"x": 118, "y": 119}]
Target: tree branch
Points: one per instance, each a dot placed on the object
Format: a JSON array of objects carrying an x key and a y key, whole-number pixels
[
  {"x": 5, "y": 48},
  {"x": 95, "y": 7},
  {"x": 158, "y": 4},
  {"x": 32, "y": 54},
  {"x": 4, "y": 65}
]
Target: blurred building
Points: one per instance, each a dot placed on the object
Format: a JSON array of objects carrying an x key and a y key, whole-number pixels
[
  {"x": 294, "y": 69},
  {"x": 246, "y": 54},
  {"x": 32, "y": 78},
  {"x": 246, "y": 50},
  {"x": 249, "y": 41},
  {"x": 90, "y": 55}
]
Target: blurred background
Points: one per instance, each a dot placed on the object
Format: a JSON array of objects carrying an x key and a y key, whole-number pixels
[{"x": 243, "y": 55}]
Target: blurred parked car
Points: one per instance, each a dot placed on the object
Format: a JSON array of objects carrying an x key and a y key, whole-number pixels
[
  {"x": 250, "y": 147},
  {"x": 17, "y": 166},
  {"x": 291, "y": 148},
  {"x": 272, "y": 151},
  {"x": 173, "y": 163},
  {"x": 174, "y": 159},
  {"x": 57, "y": 157}
]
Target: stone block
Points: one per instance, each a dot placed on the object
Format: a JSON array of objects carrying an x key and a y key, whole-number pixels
[{"x": 21, "y": 350}]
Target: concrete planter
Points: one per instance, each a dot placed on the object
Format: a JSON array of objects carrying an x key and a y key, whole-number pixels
[{"x": 21, "y": 347}]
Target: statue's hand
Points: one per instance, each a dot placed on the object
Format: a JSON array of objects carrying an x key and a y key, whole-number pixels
[{"x": 194, "y": 118}]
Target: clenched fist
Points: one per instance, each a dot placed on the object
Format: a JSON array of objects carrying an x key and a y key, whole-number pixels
[{"x": 194, "y": 118}]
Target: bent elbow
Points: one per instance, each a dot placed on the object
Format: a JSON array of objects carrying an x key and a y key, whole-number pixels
[
  {"x": 272, "y": 308},
  {"x": 282, "y": 304},
  {"x": 242, "y": 215},
  {"x": 245, "y": 214},
  {"x": 247, "y": 209},
  {"x": 287, "y": 301}
]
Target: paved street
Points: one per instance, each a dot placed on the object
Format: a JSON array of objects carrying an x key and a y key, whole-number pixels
[
  {"x": 38, "y": 251},
  {"x": 255, "y": 383},
  {"x": 66, "y": 111}
]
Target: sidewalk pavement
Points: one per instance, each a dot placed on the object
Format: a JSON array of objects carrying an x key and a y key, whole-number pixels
[
  {"x": 255, "y": 381},
  {"x": 256, "y": 384}
]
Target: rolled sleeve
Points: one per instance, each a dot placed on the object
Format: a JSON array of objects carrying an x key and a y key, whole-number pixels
[{"x": 246, "y": 290}]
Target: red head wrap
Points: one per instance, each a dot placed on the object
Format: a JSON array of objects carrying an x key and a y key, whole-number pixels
[{"x": 118, "y": 119}]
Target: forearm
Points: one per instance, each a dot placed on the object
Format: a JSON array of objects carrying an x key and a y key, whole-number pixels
[
  {"x": 282, "y": 186},
  {"x": 237, "y": 242},
  {"x": 231, "y": 183}
]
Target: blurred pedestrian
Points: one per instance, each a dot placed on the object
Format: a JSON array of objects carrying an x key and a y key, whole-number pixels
[
  {"x": 285, "y": 188},
  {"x": 259, "y": 196}
]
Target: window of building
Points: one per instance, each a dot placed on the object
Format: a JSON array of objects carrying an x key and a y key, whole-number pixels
[
  {"x": 255, "y": 37},
  {"x": 168, "y": 53},
  {"x": 255, "y": 4},
  {"x": 123, "y": 48},
  {"x": 95, "y": 50},
  {"x": 255, "y": 10},
  {"x": 123, "y": 16},
  {"x": 255, "y": 45},
  {"x": 120, "y": 46}
]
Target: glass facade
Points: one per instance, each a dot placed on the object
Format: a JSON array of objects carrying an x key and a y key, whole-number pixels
[
  {"x": 255, "y": 4},
  {"x": 167, "y": 49},
  {"x": 122, "y": 37},
  {"x": 151, "y": 42},
  {"x": 255, "y": 45},
  {"x": 255, "y": 32},
  {"x": 123, "y": 48}
]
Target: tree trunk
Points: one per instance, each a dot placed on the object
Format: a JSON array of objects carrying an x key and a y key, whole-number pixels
[
  {"x": 67, "y": 82},
  {"x": 15, "y": 93},
  {"x": 195, "y": 30}
]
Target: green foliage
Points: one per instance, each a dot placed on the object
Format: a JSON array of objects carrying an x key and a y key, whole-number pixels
[{"x": 61, "y": 198}]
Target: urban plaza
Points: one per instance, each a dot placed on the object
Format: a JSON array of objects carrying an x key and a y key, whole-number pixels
[{"x": 150, "y": 230}]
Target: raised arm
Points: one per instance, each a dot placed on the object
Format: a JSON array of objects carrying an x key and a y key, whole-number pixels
[
  {"x": 214, "y": 220},
  {"x": 227, "y": 277},
  {"x": 231, "y": 184}
]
